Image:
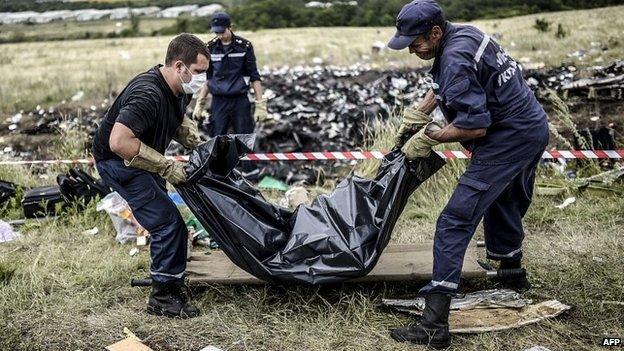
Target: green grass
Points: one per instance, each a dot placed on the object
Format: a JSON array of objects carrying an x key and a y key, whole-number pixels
[
  {"x": 48, "y": 72},
  {"x": 70, "y": 291},
  {"x": 60, "y": 289},
  {"x": 74, "y": 29}
]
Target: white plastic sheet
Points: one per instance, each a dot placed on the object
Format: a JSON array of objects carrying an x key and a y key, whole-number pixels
[{"x": 125, "y": 224}]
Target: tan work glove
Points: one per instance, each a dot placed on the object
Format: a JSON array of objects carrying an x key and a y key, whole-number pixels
[
  {"x": 262, "y": 115},
  {"x": 151, "y": 160},
  {"x": 199, "y": 112},
  {"x": 420, "y": 145},
  {"x": 413, "y": 120},
  {"x": 188, "y": 134}
]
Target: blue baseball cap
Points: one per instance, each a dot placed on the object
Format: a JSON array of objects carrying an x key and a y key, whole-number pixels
[
  {"x": 415, "y": 18},
  {"x": 220, "y": 21}
]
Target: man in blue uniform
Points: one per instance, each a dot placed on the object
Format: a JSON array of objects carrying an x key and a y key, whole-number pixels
[
  {"x": 232, "y": 69},
  {"x": 128, "y": 148},
  {"x": 493, "y": 113}
]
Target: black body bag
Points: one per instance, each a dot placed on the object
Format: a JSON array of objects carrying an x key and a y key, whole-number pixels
[{"x": 339, "y": 236}]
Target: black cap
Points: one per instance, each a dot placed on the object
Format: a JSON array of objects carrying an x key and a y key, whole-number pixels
[
  {"x": 220, "y": 21},
  {"x": 415, "y": 18}
]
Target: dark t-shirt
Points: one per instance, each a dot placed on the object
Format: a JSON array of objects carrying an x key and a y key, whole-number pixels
[{"x": 149, "y": 108}]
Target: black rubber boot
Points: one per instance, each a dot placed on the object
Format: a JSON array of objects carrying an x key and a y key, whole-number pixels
[
  {"x": 520, "y": 284},
  {"x": 433, "y": 329},
  {"x": 171, "y": 300}
]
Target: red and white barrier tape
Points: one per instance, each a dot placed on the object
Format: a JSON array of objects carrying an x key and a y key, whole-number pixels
[{"x": 352, "y": 155}]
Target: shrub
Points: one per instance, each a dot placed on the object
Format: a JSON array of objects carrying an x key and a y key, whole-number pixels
[
  {"x": 542, "y": 25},
  {"x": 561, "y": 32}
]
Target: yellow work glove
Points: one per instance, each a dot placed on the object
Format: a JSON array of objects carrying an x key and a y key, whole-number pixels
[
  {"x": 188, "y": 134},
  {"x": 420, "y": 145},
  {"x": 151, "y": 160},
  {"x": 262, "y": 115},
  {"x": 413, "y": 120},
  {"x": 199, "y": 112}
]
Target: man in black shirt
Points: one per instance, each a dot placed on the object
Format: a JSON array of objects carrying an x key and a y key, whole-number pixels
[{"x": 128, "y": 148}]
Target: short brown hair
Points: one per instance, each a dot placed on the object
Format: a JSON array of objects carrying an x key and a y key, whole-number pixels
[{"x": 185, "y": 47}]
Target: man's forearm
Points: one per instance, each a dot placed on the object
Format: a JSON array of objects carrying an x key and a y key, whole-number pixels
[
  {"x": 451, "y": 134},
  {"x": 257, "y": 87},
  {"x": 123, "y": 142},
  {"x": 429, "y": 103},
  {"x": 203, "y": 92}
]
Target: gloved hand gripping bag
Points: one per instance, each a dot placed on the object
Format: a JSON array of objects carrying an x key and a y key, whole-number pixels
[{"x": 340, "y": 236}]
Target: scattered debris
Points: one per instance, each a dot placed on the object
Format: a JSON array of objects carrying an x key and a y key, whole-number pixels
[
  {"x": 545, "y": 189},
  {"x": 80, "y": 188},
  {"x": 606, "y": 178},
  {"x": 481, "y": 320},
  {"x": 78, "y": 96},
  {"x": 6, "y": 232},
  {"x": 211, "y": 348},
  {"x": 294, "y": 197},
  {"x": 272, "y": 183},
  {"x": 141, "y": 240},
  {"x": 199, "y": 235},
  {"x": 567, "y": 202},
  {"x": 125, "y": 224},
  {"x": 38, "y": 221},
  {"x": 134, "y": 251},
  {"x": 130, "y": 343},
  {"x": 480, "y": 299},
  {"x": 42, "y": 202},
  {"x": 601, "y": 138},
  {"x": 7, "y": 191},
  {"x": 317, "y": 61},
  {"x": 607, "y": 183},
  {"x": 538, "y": 348},
  {"x": 603, "y": 83},
  {"x": 317, "y": 108},
  {"x": 93, "y": 231},
  {"x": 177, "y": 199},
  {"x": 125, "y": 55},
  {"x": 378, "y": 47}
]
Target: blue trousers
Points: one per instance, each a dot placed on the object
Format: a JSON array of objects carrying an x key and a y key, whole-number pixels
[
  {"x": 500, "y": 194},
  {"x": 146, "y": 194},
  {"x": 233, "y": 113}
]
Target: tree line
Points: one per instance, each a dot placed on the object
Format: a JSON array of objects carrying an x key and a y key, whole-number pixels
[{"x": 258, "y": 14}]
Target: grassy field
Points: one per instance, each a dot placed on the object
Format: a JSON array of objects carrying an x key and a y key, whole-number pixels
[
  {"x": 62, "y": 290},
  {"x": 75, "y": 29},
  {"x": 46, "y": 73}
]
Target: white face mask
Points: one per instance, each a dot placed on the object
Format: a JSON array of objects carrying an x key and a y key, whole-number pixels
[{"x": 196, "y": 83}]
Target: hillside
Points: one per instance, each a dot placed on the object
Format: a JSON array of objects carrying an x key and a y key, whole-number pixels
[
  {"x": 103, "y": 66},
  {"x": 293, "y": 13}
]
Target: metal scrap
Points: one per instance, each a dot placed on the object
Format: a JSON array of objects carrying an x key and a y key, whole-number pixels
[
  {"x": 479, "y": 299},
  {"x": 602, "y": 83},
  {"x": 472, "y": 320}
]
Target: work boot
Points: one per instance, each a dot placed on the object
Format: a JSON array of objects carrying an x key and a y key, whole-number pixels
[
  {"x": 171, "y": 300},
  {"x": 433, "y": 328},
  {"x": 520, "y": 283}
]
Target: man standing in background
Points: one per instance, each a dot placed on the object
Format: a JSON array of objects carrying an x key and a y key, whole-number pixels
[{"x": 232, "y": 70}]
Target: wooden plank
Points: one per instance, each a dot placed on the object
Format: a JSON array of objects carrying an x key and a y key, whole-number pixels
[{"x": 397, "y": 263}]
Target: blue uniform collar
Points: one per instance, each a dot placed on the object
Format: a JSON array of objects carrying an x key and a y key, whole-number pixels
[
  {"x": 235, "y": 40},
  {"x": 450, "y": 29}
]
